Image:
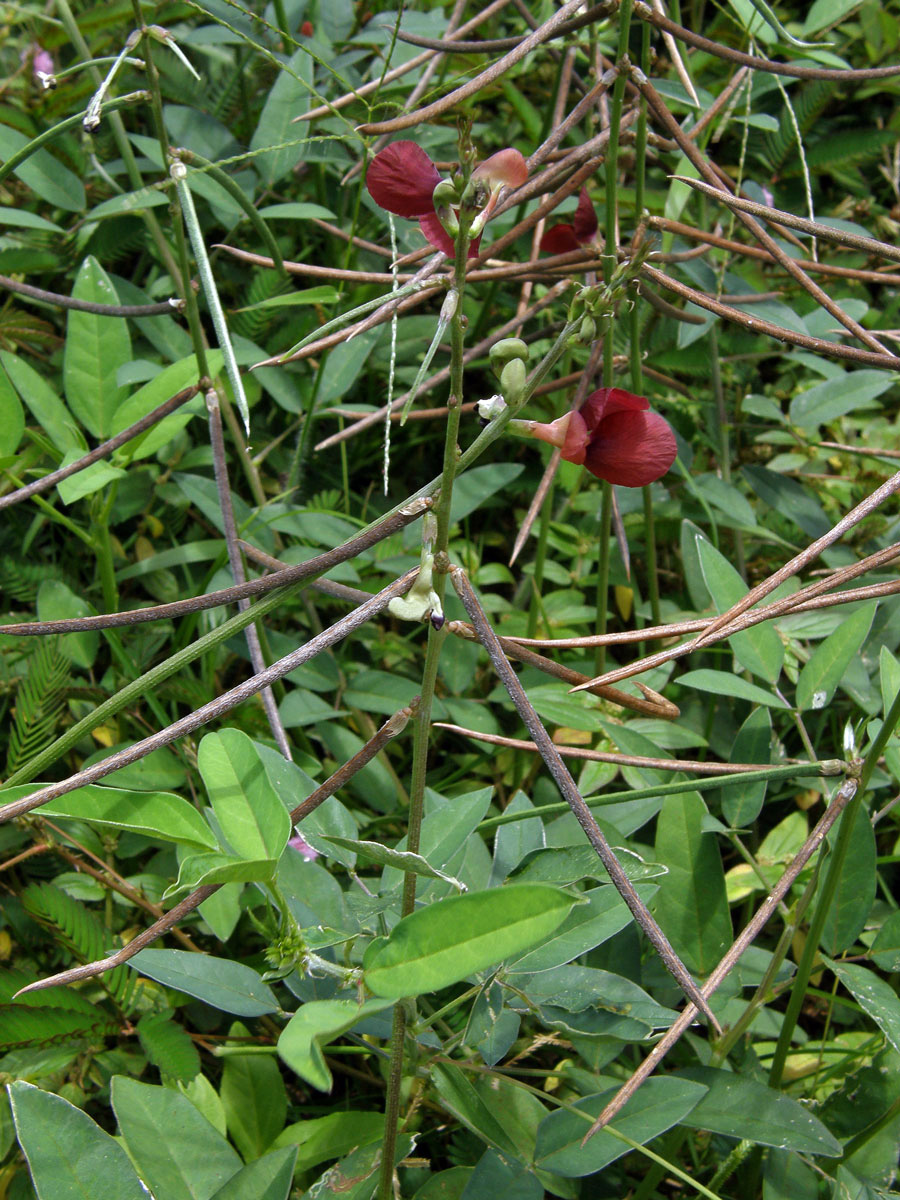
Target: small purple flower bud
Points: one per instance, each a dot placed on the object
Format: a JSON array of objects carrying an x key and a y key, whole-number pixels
[{"x": 302, "y": 846}]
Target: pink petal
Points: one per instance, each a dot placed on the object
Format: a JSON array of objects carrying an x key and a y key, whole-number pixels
[
  {"x": 585, "y": 221},
  {"x": 568, "y": 433},
  {"x": 604, "y": 401},
  {"x": 438, "y": 236},
  {"x": 577, "y": 439},
  {"x": 401, "y": 178},
  {"x": 506, "y": 167},
  {"x": 632, "y": 448},
  {"x": 559, "y": 239}
]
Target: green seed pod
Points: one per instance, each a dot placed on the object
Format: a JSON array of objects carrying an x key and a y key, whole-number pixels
[{"x": 588, "y": 330}]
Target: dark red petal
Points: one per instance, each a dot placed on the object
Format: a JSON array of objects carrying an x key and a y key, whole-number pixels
[
  {"x": 604, "y": 401},
  {"x": 631, "y": 448},
  {"x": 401, "y": 178},
  {"x": 506, "y": 167},
  {"x": 559, "y": 239},
  {"x": 585, "y": 220},
  {"x": 438, "y": 236}
]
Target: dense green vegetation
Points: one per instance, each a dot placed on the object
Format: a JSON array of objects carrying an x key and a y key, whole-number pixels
[{"x": 399, "y": 905}]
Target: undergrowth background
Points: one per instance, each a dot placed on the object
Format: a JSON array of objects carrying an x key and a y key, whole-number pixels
[{"x": 291, "y": 1035}]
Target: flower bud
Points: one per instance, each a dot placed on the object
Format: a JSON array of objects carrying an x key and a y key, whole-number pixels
[
  {"x": 588, "y": 330},
  {"x": 445, "y": 194},
  {"x": 506, "y": 351},
  {"x": 512, "y": 380}
]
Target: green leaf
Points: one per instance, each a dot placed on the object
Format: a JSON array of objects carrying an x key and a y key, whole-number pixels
[
  {"x": 474, "y": 487},
  {"x": 723, "y": 683},
  {"x": 169, "y": 382},
  {"x": 269, "y": 1178},
  {"x": 200, "y": 870},
  {"x": 312, "y": 1027},
  {"x": 296, "y": 212},
  {"x": 27, "y": 220},
  {"x": 828, "y": 662},
  {"x": 401, "y": 860},
  {"x": 42, "y": 402},
  {"x": 856, "y": 886},
  {"x": 313, "y": 295},
  {"x": 824, "y": 403},
  {"x": 251, "y": 816},
  {"x": 587, "y": 925},
  {"x": 57, "y": 602},
  {"x": 691, "y": 905},
  {"x": 87, "y": 481},
  {"x": 745, "y": 1108},
  {"x": 168, "y": 1046},
  {"x": 179, "y": 1154},
  {"x": 457, "y": 936},
  {"x": 230, "y": 986},
  {"x": 155, "y": 814},
  {"x": 255, "y": 1100},
  {"x": 788, "y": 498},
  {"x": 321, "y": 1138},
  {"x": 569, "y": 864},
  {"x": 129, "y": 202},
  {"x": 759, "y": 650},
  {"x": 874, "y": 995},
  {"x": 885, "y": 950},
  {"x": 446, "y": 829},
  {"x": 12, "y": 417},
  {"x": 469, "y": 1106},
  {"x": 70, "y": 1156},
  {"x": 95, "y": 349},
  {"x": 288, "y": 97},
  {"x": 657, "y": 1106},
  {"x": 742, "y": 802},
  {"x": 43, "y": 172}
]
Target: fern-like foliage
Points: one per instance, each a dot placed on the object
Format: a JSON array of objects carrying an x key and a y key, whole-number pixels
[
  {"x": 264, "y": 285},
  {"x": 12, "y": 980},
  {"x": 21, "y": 578},
  {"x": 168, "y": 1046},
  {"x": 81, "y": 933},
  {"x": 850, "y": 146},
  {"x": 22, "y": 1026},
  {"x": 39, "y": 703},
  {"x": 778, "y": 150}
]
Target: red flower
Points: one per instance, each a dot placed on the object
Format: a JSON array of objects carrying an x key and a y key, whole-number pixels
[
  {"x": 401, "y": 179},
  {"x": 581, "y": 232},
  {"x": 615, "y": 436}
]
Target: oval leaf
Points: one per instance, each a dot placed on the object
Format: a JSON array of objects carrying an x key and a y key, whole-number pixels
[
  {"x": 456, "y": 937},
  {"x": 231, "y": 987},
  {"x": 317, "y": 1022},
  {"x": 250, "y": 813},
  {"x": 155, "y": 814},
  {"x": 656, "y": 1107},
  {"x": 70, "y": 1156}
]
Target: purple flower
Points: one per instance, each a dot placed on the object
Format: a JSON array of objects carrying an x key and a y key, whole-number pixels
[{"x": 581, "y": 231}]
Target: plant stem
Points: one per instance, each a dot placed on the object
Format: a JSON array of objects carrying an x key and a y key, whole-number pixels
[
  {"x": 823, "y": 904},
  {"x": 603, "y": 575},
  {"x": 422, "y": 728}
]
